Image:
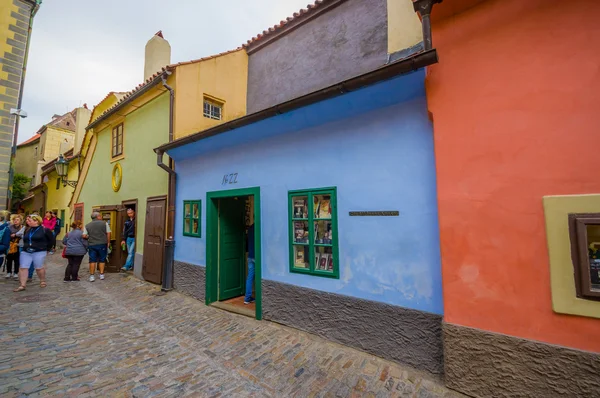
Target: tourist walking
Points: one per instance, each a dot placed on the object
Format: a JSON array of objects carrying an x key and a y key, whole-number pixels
[
  {"x": 4, "y": 236},
  {"x": 75, "y": 248},
  {"x": 98, "y": 235},
  {"x": 50, "y": 223},
  {"x": 37, "y": 241},
  {"x": 16, "y": 229},
  {"x": 129, "y": 239}
]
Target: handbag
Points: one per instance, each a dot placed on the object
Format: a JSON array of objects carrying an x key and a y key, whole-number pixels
[{"x": 64, "y": 252}]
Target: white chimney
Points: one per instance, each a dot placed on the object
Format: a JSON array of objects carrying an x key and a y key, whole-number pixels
[
  {"x": 82, "y": 118},
  {"x": 158, "y": 54}
]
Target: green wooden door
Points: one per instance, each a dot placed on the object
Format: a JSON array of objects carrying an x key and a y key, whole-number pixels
[{"x": 231, "y": 248}]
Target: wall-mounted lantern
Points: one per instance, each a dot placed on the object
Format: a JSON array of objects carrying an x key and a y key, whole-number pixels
[{"x": 62, "y": 169}]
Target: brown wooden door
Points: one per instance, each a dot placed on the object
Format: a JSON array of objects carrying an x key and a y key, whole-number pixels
[
  {"x": 154, "y": 235},
  {"x": 78, "y": 212}
]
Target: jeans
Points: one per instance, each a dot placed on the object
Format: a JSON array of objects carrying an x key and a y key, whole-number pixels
[
  {"x": 130, "y": 253},
  {"x": 249, "y": 280}
]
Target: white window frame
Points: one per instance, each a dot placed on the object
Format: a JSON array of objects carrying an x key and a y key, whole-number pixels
[{"x": 212, "y": 106}]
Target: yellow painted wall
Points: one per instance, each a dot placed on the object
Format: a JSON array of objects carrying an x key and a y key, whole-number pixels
[
  {"x": 58, "y": 199},
  {"x": 404, "y": 26},
  {"x": 51, "y": 141},
  {"x": 105, "y": 104},
  {"x": 26, "y": 159},
  {"x": 224, "y": 77},
  {"x": 556, "y": 211}
]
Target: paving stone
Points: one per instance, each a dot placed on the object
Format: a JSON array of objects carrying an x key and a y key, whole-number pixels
[{"x": 114, "y": 338}]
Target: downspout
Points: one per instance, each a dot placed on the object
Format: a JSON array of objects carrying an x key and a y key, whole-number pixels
[
  {"x": 13, "y": 151},
  {"x": 423, "y": 7},
  {"x": 169, "y": 257}
]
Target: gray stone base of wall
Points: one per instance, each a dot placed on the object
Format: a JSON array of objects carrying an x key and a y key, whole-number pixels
[
  {"x": 483, "y": 364},
  {"x": 189, "y": 279},
  {"x": 410, "y": 337}
]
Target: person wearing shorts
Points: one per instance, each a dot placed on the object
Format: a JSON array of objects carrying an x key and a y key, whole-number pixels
[
  {"x": 98, "y": 235},
  {"x": 37, "y": 241}
]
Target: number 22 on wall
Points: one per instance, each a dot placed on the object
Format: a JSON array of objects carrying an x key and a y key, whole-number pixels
[{"x": 229, "y": 179}]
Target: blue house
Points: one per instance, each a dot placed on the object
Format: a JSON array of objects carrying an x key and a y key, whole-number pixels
[{"x": 339, "y": 187}]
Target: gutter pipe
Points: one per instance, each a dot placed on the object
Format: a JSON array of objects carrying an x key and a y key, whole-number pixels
[
  {"x": 423, "y": 8},
  {"x": 169, "y": 255}
]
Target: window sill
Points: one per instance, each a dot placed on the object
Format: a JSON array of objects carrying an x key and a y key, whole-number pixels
[{"x": 116, "y": 159}]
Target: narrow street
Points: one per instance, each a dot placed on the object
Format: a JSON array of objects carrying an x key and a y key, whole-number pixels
[{"x": 116, "y": 338}]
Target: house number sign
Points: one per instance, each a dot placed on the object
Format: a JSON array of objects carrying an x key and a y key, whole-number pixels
[
  {"x": 392, "y": 213},
  {"x": 229, "y": 179}
]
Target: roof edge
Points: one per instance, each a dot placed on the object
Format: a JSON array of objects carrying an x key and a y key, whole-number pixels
[{"x": 417, "y": 61}]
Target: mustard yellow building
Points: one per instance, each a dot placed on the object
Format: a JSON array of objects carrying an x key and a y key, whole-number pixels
[
  {"x": 119, "y": 167},
  {"x": 16, "y": 21}
]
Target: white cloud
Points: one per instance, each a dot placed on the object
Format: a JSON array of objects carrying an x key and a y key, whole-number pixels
[{"x": 81, "y": 50}]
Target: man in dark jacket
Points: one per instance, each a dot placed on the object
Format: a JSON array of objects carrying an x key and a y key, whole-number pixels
[
  {"x": 128, "y": 239},
  {"x": 4, "y": 236},
  {"x": 57, "y": 228}
]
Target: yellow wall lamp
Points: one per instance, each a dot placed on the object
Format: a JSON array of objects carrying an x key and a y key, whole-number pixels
[{"x": 62, "y": 169}]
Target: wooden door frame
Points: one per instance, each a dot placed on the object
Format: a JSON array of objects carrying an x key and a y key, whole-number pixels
[
  {"x": 212, "y": 244},
  {"x": 164, "y": 221}
]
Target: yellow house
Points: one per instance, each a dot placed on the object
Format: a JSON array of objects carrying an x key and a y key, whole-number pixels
[{"x": 119, "y": 167}]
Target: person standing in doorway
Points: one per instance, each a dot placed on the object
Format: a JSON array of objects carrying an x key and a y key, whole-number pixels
[
  {"x": 98, "y": 235},
  {"x": 37, "y": 240},
  {"x": 75, "y": 249},
  {"x": 250, "y": 279},
  {"x": 12, "y": 258},
  {"x": 129, "y": 239},
  {"x": 50, "y": 223}
]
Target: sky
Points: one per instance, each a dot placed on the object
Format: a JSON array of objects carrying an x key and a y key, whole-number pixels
[{"x": 83, "y": 49}]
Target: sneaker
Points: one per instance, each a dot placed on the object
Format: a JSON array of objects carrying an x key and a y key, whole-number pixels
[
  {"x": 7, "y": 275},
  {"x": 66, "y": 280},
  {"x": 92, "y": 278},
  {"x": 15, "y": 276},
  {"x": 102, "y": 277},
  {"x": 251, "y": 300},
  {"x": 29, "y": 280},
  {"x": 51, "y": 251}
]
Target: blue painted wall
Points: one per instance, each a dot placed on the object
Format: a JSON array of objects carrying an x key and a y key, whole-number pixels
[{"x": 376, "y": 146}]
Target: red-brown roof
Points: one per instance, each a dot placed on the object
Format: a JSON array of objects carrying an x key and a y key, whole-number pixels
[
  {"x": 29, "y": 141},
  {"x": 297, "y": 19}
]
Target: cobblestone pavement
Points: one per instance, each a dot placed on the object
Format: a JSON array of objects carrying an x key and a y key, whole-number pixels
[{"x": 115, "y": 338}]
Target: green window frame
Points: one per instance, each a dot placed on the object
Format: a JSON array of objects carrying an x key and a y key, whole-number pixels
[
  {"x": 313, "y": 232},
  {"x": 192, "y": 214}
]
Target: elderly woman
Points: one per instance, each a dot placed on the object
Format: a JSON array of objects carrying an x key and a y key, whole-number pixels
[
  {"x": 75, "y": 249},
  {"x": 37, "y": 241},
  {"x": 12, "y": 257}
]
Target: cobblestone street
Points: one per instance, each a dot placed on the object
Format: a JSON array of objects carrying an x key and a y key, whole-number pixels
[{"x": 115, "y": 338}]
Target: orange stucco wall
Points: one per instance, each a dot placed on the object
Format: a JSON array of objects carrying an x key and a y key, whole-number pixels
[{"x": 515, "y": 101}]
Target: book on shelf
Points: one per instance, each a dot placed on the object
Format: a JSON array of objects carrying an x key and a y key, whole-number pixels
[
  {"x": 323, "y": 261},
  {"x": 317, "y": 255},
  {"x": 300, "y": 208},
  {"x": 324, "y": 208},
  {"x": 330, "y": 263},
  {"x": 299, "y": 259}
]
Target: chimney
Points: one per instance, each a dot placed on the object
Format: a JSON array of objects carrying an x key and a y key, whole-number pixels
[
  {"x": 82, "y": 118},
  {"x": 158, "y": 55}
]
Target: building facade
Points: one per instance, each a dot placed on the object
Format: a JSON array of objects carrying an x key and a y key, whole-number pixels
[
  {"x": 16, "y": 22},
  {"x": 119, "y": 168},
  {"x": 514, "y": 101},
  {"x": 342, "y": 249}
]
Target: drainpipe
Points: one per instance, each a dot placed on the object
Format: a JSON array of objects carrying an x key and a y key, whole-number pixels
[
  {"x": 423, "y": 7},
  {"x": 13, "y": 151},
  {"x": 170, "y": 241}
]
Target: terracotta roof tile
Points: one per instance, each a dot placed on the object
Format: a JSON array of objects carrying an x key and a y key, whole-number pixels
[
  {"x": 29, "y": 141},
  {"x": 297, "y": 16}
]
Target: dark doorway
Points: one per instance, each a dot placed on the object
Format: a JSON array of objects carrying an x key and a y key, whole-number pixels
[
  {"x": 231, "y": 248},
  {"x": 128, "y": 204},
  {"x": 154, "y": 239}
]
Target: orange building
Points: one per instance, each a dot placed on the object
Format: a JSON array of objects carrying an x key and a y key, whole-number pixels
[{"x": 515, "y": 101}]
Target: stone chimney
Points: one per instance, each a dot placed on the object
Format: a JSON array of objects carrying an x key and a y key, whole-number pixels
[
  {"x": 82, "y": 118},
  {"x": 158, "y": 54}
]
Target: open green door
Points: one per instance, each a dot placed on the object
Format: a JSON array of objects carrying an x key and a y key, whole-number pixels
[{"x": 231, "y": 248}]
